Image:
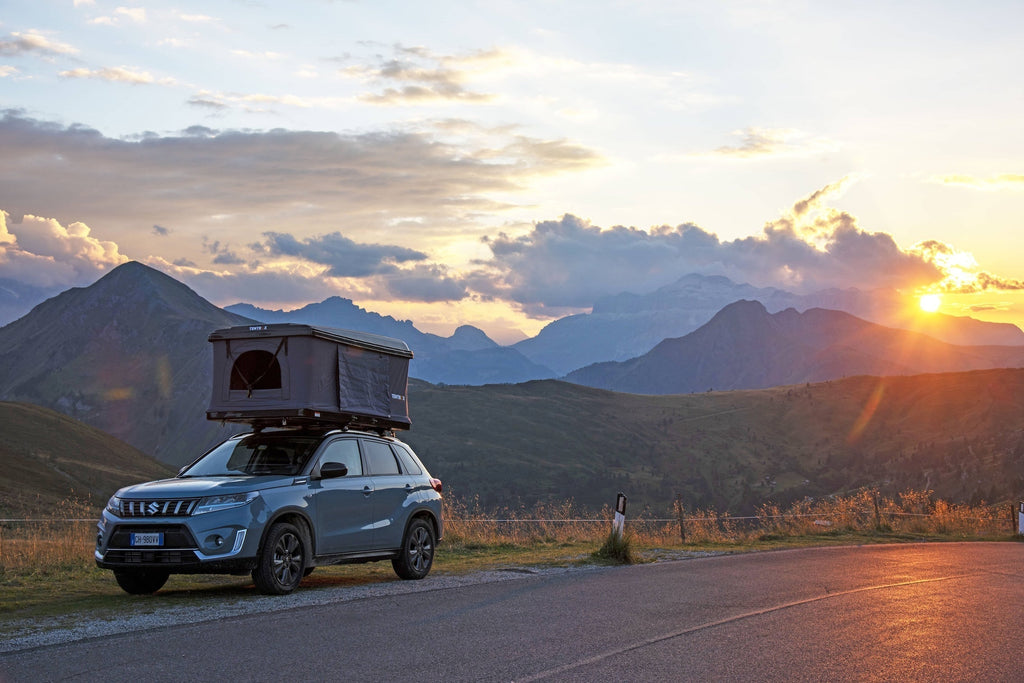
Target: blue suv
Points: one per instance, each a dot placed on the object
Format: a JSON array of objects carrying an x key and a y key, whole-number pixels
[{"x": 277, "y": 503}]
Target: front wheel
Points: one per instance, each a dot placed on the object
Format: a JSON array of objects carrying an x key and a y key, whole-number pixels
[
  {"x": 417, "y": 554},
  {"x": 282, "y": 560},
  {"x": 141, "y": 581}
]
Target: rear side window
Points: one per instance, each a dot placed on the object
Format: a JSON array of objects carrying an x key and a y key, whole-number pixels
[
  {"x": 409, "y": 463},
  {"x": 379, "y": 458}
]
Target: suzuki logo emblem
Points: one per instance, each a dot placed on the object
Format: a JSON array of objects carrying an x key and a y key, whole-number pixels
[{"x": 153, "y": 508}]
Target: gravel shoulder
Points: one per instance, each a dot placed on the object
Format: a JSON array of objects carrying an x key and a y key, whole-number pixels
[{"x": 34, "y": 633}]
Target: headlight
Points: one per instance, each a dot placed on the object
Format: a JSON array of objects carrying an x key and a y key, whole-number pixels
[
  {"x": 225, "y": 502},
  {"x": 114, "y": 506}
]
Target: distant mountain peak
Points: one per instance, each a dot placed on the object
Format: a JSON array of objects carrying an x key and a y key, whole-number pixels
[{"x": 469, "y": 338}]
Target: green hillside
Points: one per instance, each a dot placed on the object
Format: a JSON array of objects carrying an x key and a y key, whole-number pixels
[
  {"x": 48, "y": 457},
  {"x": 958, "y": 434}
]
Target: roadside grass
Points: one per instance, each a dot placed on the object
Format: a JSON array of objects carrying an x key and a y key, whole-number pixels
[{"x": 47, "y": 568}]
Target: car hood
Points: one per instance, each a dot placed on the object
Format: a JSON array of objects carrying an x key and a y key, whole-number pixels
[{"x": 196, "y": 487}]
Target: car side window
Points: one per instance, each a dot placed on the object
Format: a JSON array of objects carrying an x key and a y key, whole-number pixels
[
  {"x": 409, "y": 465},
  {"x": 379, "y": 458},
  {"x": 345, "y": 451}
]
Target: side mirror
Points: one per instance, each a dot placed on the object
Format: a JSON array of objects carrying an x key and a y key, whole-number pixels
[{"x": 333, "y": 470}]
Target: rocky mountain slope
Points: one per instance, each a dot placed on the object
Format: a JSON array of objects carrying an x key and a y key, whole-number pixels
[
  {"x": 128, "y": 355},
  {"x": 746, "y": 347}
]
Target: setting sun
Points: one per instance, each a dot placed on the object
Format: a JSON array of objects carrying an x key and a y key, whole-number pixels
[{"x": 930, "y": 302}]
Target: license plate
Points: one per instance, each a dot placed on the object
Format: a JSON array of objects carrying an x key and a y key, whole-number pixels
[{"x": 150, "y": 539}]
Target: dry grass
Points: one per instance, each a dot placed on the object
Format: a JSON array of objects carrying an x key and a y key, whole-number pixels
[
  {"x": 49, "y": 561},
  {"x": 49, "y": 543}
]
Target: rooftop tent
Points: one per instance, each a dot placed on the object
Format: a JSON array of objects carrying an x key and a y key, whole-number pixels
[{"x": 293, "y": 374}]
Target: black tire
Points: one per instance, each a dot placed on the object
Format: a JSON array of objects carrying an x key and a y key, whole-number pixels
[
  {"x": 141, "y": 581},
  {"x": 417, "y": 554},
  {"x": 282, "y": 560}
]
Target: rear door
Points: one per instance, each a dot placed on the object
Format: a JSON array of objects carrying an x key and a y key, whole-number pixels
[
  {"x": 344, "y": 505},
  {"x": 390, "y": 489}
]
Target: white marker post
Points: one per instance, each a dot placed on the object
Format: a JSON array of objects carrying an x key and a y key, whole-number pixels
[
  {"x": 1020, "y": 519},
  {"x": 620, "y": 515}
]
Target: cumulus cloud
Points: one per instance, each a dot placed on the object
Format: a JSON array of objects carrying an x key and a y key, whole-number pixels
[
  {"x": 961, "y": 273},
  {"x": 41, "y": 252},
  {"x": 570, "y": 263}
]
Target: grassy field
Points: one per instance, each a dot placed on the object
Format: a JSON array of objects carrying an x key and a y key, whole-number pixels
[{"x": 46, "y": 567}]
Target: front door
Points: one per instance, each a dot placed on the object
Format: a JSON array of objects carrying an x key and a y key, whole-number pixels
[{"x": 343, "y": 504}]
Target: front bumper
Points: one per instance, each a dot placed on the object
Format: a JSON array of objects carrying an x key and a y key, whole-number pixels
[{"x": 209, "y": 543}]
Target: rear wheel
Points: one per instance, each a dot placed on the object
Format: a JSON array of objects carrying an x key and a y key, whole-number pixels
[
  {"x": 417, "y": 553},
  {"x": 282, "y": 560},
  {"x": 141, "y": 581}
]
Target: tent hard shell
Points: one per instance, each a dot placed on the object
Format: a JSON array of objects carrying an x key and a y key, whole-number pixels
[{"x": 289, "y": 374}]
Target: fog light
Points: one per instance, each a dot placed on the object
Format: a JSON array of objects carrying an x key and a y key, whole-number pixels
[{"x": 216, "y": 540}]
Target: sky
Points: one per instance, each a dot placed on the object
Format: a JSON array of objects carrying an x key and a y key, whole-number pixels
[{"x": 506, "y": 163}]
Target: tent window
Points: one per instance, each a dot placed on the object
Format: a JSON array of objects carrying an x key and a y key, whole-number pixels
[{"x": 255, "y": 370}]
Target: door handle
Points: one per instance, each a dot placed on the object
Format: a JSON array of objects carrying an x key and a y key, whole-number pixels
[{"x": 367, "y": 490}]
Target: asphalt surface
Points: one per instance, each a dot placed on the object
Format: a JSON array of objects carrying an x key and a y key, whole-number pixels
[{"x": 917, "y": 612}]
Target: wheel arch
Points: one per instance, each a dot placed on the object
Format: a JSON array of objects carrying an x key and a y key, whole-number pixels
[
  {"x": 296, "y": 518},
  {"x": 425, "y": 514}
]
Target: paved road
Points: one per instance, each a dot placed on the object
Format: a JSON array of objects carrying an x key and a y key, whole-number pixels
[{"x": 920, "y": 612}]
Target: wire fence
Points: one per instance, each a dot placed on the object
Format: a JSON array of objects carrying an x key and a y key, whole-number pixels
[{"x": 29, "y": 539}]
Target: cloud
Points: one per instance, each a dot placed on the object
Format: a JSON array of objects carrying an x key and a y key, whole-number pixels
[
  {"x": 344, "y": 257},
  {"x": 133, "y": 14},
  {"x": 388, "y": 270},
  {"x": 415, "y": 75},
  {"x": 570, "y": 263},
  {"x": 160, "y": 231},
  {"x": 117, "y": 74},
  {"x": 43, "y": 253},
  {"x": 17, "y": 44},
  {"x": 264, "y": 180},
  {"x": 772, "y": 142},
  {"x": 961, "y": 273},
  {"x": 993, "y": 183}
]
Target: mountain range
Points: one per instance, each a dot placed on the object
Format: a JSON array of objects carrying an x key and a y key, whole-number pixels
[
  {"x": 622, "y": 327},
  {"x": 129, "y": 355},
  {"x": 469, "y": 356},
  {"x": 745, "y": 347}
]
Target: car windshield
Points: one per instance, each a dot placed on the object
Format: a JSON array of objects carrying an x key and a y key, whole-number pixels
[{"x": 266, "y": 453}]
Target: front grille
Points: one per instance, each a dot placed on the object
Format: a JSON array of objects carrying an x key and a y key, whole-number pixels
[
  {"x": 151, "y": 557},
  {"x": 158, "y": 508}
]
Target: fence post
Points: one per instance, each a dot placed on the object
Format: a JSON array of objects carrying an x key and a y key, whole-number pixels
[
  {"x": 620, "y": 515},
  {"x": 878, "y": 518},
  {"x": 679, "y": 514}
]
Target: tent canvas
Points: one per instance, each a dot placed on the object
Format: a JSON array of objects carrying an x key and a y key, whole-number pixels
[{"x": 292, "y": 374}]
